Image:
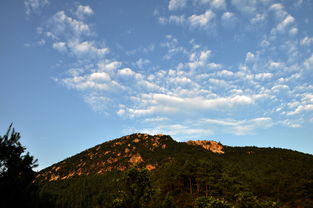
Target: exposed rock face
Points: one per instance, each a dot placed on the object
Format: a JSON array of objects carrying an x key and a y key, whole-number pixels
[
  {"x": 150, "y": 167},
  {"x": 212, "y": 146},
  {"x": 135, "y": 159}
]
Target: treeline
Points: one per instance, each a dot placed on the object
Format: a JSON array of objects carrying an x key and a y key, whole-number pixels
[{"x": 180, "y": 183}]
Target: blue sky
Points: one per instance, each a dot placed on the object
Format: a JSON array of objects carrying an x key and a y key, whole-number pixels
[{"x": 76, "y": 74}]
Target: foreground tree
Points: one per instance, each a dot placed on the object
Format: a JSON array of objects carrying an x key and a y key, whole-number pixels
[
  {"x": 16, "y": 172},
  {"x": 136, "y": 190}
]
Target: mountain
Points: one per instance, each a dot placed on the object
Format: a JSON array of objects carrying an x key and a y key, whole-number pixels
[
  {"x": 179, "y": 173},
  {"x": 119, "y": 154}
]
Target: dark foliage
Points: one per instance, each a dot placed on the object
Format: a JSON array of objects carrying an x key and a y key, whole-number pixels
[
  {"x": 16, "y": 174},
  {"x": 186, "y": 176}
]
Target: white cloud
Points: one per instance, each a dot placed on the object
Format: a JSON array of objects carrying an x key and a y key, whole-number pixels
[
  {"x": 177, "y": 19},
  {"x": 219, "y": 83},
  {"x": 200, "y": 59},
  {"x": 141, "y": 62},
  {"x": 307, "y": 41},
  {"x": 293, "y": 31},
  {"x": 264, "y": 43},
  {"x": 68, "y": 27},
  {"x": 258, "y": 19},
  {"x": 225, "y": 73},
  {"x": 83, "y": 11},
  {"x": 275, "y": 65},
  {"x": 291, "y": 123},
  {"x": 202, "y": 20},
  {"x": 126, "y": 72},
  {"x": 227, "y": 16},
  {"x": 33, "y": 6},
  {"x": 177, "y": 4},
  {"x": 86, "y": 48},
  {"x": 301, "y": 108},
  {"x": 250, "y": 57},
  {"x": 228, "y": 19},
  {"x": 308, "y": 63},
  {"x": 88, "y": 83},
  {"x": 165, "y": 103},
  {"x": 279, "y": 11},
  {"x": 120, "y": 112},
  {"x": 60, "y": 46},
  {"x": 156, "y": 119},
  {"x": 100, "y": 76},
  {"x": 97, "y": 102},
  {"x": 263, "y": 76},
  {"x": 214, "y": 66},
  {"x": 109, "y": 65},
  {"x": 245, "y": 6},
  {"x": 163, "y": 20},
  {"x": 241, "y": 127},
  {"x": 279, "y": 88},
  {"x": 286, "y": 22},
  {"x": 216, "y": 4}
]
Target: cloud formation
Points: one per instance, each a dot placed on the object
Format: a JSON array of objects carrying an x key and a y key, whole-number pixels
[
  {"x": 195, "y": 91},
  {"x": 34, "y": 6},
  {"x": 177, "y": 4}
]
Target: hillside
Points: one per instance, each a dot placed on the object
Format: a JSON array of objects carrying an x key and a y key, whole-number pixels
[
  {"x": 141, "y": 150},
  {"x": 179, "y": 173}
]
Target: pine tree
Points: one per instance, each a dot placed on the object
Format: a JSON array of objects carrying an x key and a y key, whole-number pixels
[{"x": 16, "y": 172}]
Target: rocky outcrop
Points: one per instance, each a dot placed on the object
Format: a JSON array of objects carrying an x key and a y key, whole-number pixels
[{"x": 212, "y": 146}]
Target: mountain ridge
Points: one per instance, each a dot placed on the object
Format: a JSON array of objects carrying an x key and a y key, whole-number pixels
[
  {"x": 138, "y": 149},
  {"x": 120, "y": 154}
]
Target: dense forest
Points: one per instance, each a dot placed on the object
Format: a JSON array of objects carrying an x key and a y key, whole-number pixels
[
  {"x": 141, "y": 170},
  {"x": 191, "y": 182}
]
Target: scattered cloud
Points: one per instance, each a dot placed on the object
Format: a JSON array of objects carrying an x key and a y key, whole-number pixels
[
  {"x": 60, "y": 46},
  {"x": 241, "y": 127},
  {"x": 87, "y": 49},
  {"x": 291, "y": 123},
  {"x": 83, "y": 11},
  {"x": 228, "y": 19},
  {"x": 245, "y": 6},
  {"x": 192, "y": 82},
  {"x": 177, "y": 4},
  {"x": 308, "y": 63},
  {"x": 218, "y": 4},
  {"x": 307, "y": 41},
  {"x": 34, "y": 6},
  {"x": 157, "y": 103},
  {"x": 202, "y": 20},
  {"x": 68, "y": 27},
  {"x": 293, "y": 31},
  {"x": 279, "y": 10},
  {"x": 215, "y": 4},
  {"x": 140, "y": 63},
  {"x": 258, "y": 19},
  {"x": 283, "y": 24}
]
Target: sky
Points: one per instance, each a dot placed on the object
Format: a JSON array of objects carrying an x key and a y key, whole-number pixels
[{"x": 74, "y": 74}]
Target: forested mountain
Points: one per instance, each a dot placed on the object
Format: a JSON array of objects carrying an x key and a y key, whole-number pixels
[{"x": 141, "y": 170}]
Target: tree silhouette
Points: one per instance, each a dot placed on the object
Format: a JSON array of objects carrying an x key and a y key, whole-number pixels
[{"x": 16, "y": 174}]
